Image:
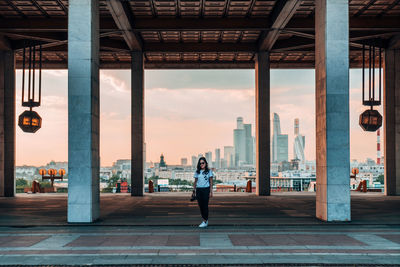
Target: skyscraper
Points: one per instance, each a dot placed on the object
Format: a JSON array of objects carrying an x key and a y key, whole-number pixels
[
  {"x": 217, "y": 158},
  {"x": 279, "y": 142},
  {"x": 183, "y": 161},
  {"x": 299, "y": 142},
  {"x": 248, "y": 143},
  {"x": 208, "y": 157},
  {"x": 243, "y": 143},
  {"x": 194, "y": 162},
  {"x": 239, "y": 123},
  {"x": 239, "y": 140},
  {"x": 229, "y": 153}
]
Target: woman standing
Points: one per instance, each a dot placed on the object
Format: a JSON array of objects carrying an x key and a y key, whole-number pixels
[{"x": 203, "y": 187}]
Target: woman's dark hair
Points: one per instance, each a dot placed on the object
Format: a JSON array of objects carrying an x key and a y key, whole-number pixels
[{"x": 199, "y": 167}]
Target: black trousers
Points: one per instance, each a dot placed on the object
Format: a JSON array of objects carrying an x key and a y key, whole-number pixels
[{"x": 203, "y": 196}]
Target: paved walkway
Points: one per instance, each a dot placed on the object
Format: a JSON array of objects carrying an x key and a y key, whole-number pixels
[
  {"x": 161, "y": 229},
  {"x": 328, "y": 244},
  {"x": 176, "y": 209}
]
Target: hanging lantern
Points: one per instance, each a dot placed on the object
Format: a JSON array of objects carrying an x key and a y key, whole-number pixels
[
  {"x": 30, "y": 121},
  {"x": 371, "y": 120}
]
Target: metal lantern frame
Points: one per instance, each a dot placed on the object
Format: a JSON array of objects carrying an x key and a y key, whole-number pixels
[
  {"x": 371, "y": 120},
  {"x": 30, "y": 121}
]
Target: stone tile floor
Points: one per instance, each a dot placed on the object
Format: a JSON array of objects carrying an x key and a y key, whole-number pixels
[
  {"x": 161, "y": 229},
  {"x": 330, "y": 244},
  {"x": 176, "y": 209}
]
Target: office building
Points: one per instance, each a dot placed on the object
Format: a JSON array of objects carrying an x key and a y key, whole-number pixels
[
  {"x": 209, "y": 158},
  {"x": 279, "y": 142},
  {"x": 299, "y": 143},
  {"x": 217, "y": 158},
  {"x": 248, "y": 143},
  {"x": 239, "y": 142},
  {"x": 243, "y": 143},
  {"x": 184, "y": 161},
  {"x": 229, "y": 155},
  {"x": 194, "y": 161}
]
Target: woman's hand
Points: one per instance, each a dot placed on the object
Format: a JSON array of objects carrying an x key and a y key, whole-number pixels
[{"x": 211, "y": 194}]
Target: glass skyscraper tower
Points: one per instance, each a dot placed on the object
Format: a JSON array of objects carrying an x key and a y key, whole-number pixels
[{"x": 279, "y": 142}]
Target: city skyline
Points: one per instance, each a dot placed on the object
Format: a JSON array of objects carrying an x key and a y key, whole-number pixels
[{"x": 176, "y": 103}]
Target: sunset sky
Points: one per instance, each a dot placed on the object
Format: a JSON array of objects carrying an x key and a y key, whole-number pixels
[{"x": 187, "y": 112}]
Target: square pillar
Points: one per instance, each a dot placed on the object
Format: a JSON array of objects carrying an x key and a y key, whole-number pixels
[
  {"x": 83, "y": 111},
  {"x": 391, "y": 109},
  {"x": 137, "y": 125},
  {"x": 332, "y": 110},
  {"x": 263, "y": 146},
  {"x": 7, "y": 123}
]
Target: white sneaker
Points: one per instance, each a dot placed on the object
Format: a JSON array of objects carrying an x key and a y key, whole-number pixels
[{"x": 203, "y": 224}]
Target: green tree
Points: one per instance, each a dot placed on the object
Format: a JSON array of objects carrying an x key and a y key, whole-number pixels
[
  {"x": 113, "y": 180},
  {"x": 21, "y": 182},
  {"x": 381, "y": 179}
]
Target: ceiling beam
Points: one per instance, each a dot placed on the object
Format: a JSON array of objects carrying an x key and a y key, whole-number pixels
[
  {"x": 357, "y": 39},
  {"x": 287, "y": 64},
  {"x": 362, "y": 23},
  {"x": 63, "y": 7},
  {"x": 122, "y": 16},
  {"x": 198, "y": 65},
  {"x": 204, "y": 24},
  {"x": 121, "y": 49},
  {"x": 47, "y": 24},
  {"x": 199, "y": 47},
  {"x": 293, "y": 43},
  {"x": 44, "y": 36},
  {"x": 280, "y": 16},
  {"x": 5, "y": 44},
  {"x": 48, "y": 42},
  {"x": 194, "y": 65},
  {"x": 185, "y": 65},
  {"x": 394, "y": 42},
  {"x": 364, "y": 8},
  {"x": 120, "y": 46}
]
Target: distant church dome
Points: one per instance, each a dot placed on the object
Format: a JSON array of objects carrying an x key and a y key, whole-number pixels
[{"x": 162, "y": 162}]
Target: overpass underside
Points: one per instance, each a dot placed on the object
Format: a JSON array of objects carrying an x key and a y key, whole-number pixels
[{"x": 85, "y": 36}]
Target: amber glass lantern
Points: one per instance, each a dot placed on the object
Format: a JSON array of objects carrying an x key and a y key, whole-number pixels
[
  {"x": 370, "y": 120},
  {"x": 29, "y": 121}
]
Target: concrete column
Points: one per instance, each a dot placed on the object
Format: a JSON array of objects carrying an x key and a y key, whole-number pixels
[
  {"x": 391, "y": 109},
  {"x": 332, "y": 110},
  {"x": 83, "y": 111},
  {"x": 263, "y": 124},
  {"x": 137, "y": 117},
  {"x": 7, "y": 123}
]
